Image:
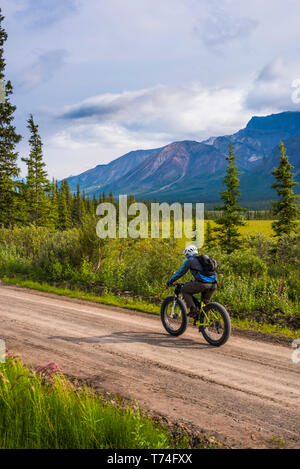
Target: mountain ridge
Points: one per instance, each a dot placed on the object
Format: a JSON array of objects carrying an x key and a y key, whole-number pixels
[{"x": 190, "y": 171}]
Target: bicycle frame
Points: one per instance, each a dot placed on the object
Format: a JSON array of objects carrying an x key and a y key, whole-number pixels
[
  {"x": 201, "y": 306},
  {"x": 197, "y": 320}
]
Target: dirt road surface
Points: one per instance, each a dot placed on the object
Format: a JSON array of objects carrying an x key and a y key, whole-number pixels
[{"x": 245, "y": 394}]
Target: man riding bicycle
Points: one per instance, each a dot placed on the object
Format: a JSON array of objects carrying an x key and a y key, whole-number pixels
[{"x": 204, "y": 282}]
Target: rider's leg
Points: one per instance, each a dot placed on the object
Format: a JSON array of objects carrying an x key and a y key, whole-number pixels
[
  {"x": 188, "y": 290},
  {"x": 194, "y": 287},
  {"x": 208, "y": 293}
]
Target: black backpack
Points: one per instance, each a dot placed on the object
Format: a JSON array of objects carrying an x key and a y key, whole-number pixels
[{"x": 208, "y": 264}]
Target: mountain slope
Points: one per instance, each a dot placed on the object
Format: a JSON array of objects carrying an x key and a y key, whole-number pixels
[
  {"x": 173, "y": 165},
  {"x": 104, "y": 174}
]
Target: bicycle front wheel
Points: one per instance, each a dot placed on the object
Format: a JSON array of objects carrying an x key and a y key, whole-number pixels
[
  {"x": 215, "y": 324},
  {"x": 174, "y": 315}
]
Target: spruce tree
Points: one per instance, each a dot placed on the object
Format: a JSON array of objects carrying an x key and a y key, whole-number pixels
[
  {"x": 37, "y": 183},
  {"x": 210, "y": 239},
  {"x": 77, "y": 207},
  {"x": 286, "y": 208},
  {"x": 9, "y": 170},
  {"x": 229, "y": 222},
  {"x": 64, "y": 206},
  {"x": 53, "y": 199}
]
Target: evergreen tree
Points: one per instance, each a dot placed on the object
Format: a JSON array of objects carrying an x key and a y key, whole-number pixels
[
  {"x": 37, "y": 183},
  {"x": 286, "y": 208},
  {"x": 77, "y": 207},
  {"x": 229, "y": 222},
  {"x": 64, "y": 208},
  {"x": 53, "y": 199},
  {"x": 95, "y": 204},
  {"x": 89, "y": 206},
  {"x": 21, "y": 213},
  {"x": 210, "y": 239},
  {"x": 8, "y": 141}
]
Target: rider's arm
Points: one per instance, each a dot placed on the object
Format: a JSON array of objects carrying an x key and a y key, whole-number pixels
[{"x": 183, "y": 270}]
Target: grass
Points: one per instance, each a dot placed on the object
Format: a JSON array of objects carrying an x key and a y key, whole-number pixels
[
  {"x": 107, "y": 298},
  {"x": 271, "y": 329},
  {"x": 139, "y": 305},
  {"x": 257, "y": 226},
  {"x": 42, "y": 409},
  {"x": 251, "y": 227},
  {"x": 278, "y": 442}
]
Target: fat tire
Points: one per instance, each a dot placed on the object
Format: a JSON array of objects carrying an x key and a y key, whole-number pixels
[
  {"x": 227, "y": 325},
  {"x": 183, "y": 309}
]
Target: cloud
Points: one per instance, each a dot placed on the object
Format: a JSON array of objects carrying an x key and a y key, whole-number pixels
[
  {"x": 219, "y": 26},
  {"x": 190, "y": 111},
  {"x": 82, "y": 146},
  {"x": 44, "y": 13},
  {"x": 42, "y": 70},
  {"x": 272, "y": 89},
  {"x": 106, "y": 126}
]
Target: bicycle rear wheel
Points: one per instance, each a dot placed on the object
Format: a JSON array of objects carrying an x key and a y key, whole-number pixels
[
  {"x": 174, "y": 315},
  {"x": 216, "y": 324}
]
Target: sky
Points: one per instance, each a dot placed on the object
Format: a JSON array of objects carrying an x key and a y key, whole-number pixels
[{"x": 105, "y": 77}]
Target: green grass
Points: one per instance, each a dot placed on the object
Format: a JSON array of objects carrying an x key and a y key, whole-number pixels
[
  {"x": 139, "y": 305},
  {"x": 46, "y": 411},
  {"x": 254, "y": 226},
  {"x": 257, "y": 226},
  {"x": 275, "y": 330},
  {"x": 251, "y": 227},
  {"x": 106, "y": 298}
]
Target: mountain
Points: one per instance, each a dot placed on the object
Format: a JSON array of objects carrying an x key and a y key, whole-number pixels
[
  {"x": 92, "y": 179},
  {"x": 190, "y": 171}
]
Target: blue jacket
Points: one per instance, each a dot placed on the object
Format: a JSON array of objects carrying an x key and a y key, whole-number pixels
[{"x": 193, "y": 264}]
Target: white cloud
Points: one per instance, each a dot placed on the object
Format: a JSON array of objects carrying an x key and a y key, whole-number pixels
[
  {"x": 103, "y": 127},
  {"x": 273, "y": 88},
  {"x": 191, "y": 110},
  {"x": 86, "y": 145}
]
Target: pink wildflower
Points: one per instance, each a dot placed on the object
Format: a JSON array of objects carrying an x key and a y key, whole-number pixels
[{"x": 51, "y": 368}]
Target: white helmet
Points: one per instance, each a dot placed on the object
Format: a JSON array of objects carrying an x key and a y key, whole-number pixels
[{"x": 190, "y": 251}]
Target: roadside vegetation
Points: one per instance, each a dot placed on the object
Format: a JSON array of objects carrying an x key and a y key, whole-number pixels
[{"x": 42, "y": 409}]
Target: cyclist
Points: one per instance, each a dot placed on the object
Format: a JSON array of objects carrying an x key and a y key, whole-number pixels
[{"x": 204, "y": 282}]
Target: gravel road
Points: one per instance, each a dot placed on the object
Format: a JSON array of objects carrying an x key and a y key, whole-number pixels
[{"x": 246, "y": 393}]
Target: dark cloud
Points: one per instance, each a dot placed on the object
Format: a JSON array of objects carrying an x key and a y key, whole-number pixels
[
  {"x": 101, "y": 111},
  {"x": 113, "y": 106}
]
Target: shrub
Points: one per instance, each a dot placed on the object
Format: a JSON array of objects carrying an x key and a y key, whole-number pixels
[{"x": 245, "y": 263}]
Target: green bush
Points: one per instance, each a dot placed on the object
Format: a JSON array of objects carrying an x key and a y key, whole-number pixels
[
  {"x": 260, "y": 245},
  {"x": 245, "y": 263}
]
